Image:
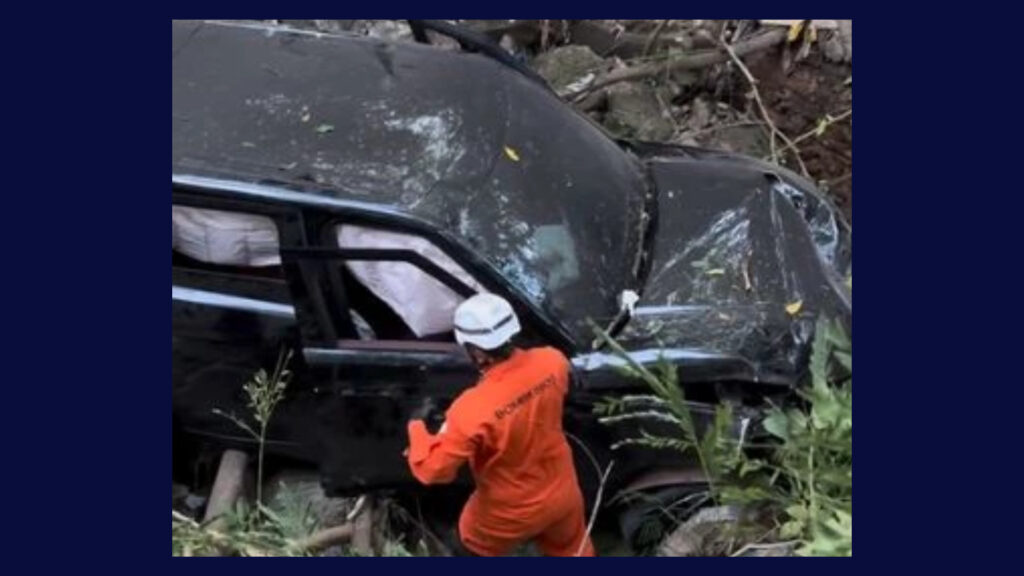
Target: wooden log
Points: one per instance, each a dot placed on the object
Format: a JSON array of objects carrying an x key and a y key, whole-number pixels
[
  {"x": 362, "y": 538},
  {"x": 228, "y": 485},
  {"x": 326, "y": 538}
]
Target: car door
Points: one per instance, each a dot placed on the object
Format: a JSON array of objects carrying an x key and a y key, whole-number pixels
[
  {"x": 372, "y": 301},
  {"x": 231, "y": 316}
]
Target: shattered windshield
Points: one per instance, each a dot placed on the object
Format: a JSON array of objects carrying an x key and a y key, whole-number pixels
[{"x": 550, "y": 200}]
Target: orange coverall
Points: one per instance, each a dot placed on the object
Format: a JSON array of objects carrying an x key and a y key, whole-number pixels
[{"x": 509, "y": 428}]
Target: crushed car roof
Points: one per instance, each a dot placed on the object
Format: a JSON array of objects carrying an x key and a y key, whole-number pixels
[{"x": 456, "y": 139}]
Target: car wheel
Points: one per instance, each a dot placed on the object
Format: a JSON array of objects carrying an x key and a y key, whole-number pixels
[{"x": 647, "y": 516}]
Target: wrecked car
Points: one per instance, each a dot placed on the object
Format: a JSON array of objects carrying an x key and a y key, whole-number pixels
[{"x": 339, "y": 196}]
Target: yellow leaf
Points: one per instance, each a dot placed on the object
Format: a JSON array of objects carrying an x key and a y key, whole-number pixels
[
  {"x": 822, "y": 126},
  {"x": 715, "y": 272},
  {"x": 511, "y": 153},
  {"x": 794, "y": 31},
  {"x": 794, "y": 308}
]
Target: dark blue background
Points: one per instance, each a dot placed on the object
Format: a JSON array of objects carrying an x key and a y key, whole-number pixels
[{"x": 87, "y": 413}]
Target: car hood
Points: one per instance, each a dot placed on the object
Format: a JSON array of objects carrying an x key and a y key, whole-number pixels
[{"x": 745, "y": 257}]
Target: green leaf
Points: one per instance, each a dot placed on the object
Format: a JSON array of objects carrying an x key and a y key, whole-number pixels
[
  {"x": 797, "y": 512},
  {"x": 791, "y": 529},
  {"x": 777, "y": 424},
  {"x": 749, "y": 466},
  {"x": 822, "y": 125},
  {"x": 837, "y": 335},
  {"x": 845, "y": 359}
]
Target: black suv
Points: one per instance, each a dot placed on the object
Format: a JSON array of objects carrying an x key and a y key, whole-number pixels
[{"x": 339, "y": 196}]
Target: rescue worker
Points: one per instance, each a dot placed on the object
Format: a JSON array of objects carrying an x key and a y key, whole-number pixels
[{"x": 509, "y": 429}]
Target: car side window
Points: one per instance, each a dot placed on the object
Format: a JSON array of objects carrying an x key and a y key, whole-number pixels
[
  {"x": 232, "y": 253},
  {"x": 396, "y": 299}
]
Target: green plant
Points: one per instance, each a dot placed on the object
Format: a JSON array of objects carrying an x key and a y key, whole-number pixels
[
  {"x": 242, "y": 531},
  {"x": 809, "y": 475},
  {"x": 264, "y": 393},
  {"x": 258, "y": 531},
  {"x": 667, "y": 405},
  {"x": 803, "y": 478}
]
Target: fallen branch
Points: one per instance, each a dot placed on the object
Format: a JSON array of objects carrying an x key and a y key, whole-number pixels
[
  {"x": 228, "y": 485},
  {"x": 326, "y": 538},
  {"x": 701, "y": 59},
  {"x": 625, "y": 44}
]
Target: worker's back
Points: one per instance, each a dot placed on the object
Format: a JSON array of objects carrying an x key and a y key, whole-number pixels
[
  {"x": 509, "y": 428},
  {"x": 521, "y": 454}
]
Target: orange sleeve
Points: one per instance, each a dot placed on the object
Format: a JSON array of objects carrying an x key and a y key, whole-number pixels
[
  {"x": 562, "y": 368},
  {"x": 436, "y": 458}
]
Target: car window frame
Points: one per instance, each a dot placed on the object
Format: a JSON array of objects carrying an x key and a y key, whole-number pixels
[{"x": 184, "y": 277}]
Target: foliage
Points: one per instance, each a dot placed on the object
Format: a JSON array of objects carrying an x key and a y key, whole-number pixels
[
  {"x": 240, "y": 530},
  {"x": 264, "y": 393},
  {"x": 803, "y": 477}
]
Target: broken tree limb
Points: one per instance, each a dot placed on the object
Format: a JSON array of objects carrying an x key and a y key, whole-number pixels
[
  {"x": 624, "y": 44},
  {"x": 228, "y": 485},
  {"x": 692, "y": 61},
  {"x": 326, "y": 538}
]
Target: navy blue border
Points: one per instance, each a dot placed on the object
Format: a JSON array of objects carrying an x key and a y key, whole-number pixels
[{"x": 88, "y": 411}]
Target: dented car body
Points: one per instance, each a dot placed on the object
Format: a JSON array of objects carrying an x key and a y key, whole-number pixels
[{"x": 481, "y": 178}]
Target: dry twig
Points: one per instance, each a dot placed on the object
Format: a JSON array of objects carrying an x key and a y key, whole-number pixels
[
  {"x": 774, "y": 130},
  {"x": 597, "y": 506},
  {"x": 654, "y": 36},
  {"x": 830, "y": 120}
]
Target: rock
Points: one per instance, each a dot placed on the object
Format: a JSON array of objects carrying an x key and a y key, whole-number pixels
[
  {"x": 332, "y": 26},
  {"x": 846, "y": 35},
  {"x": 566, "y": 64},
  {"x": 700, "y": 115},
  {"x": 747, "y": 139},
  {"x": 178, "y": 492},
  {"x": 442, "y": 41},
  {"x": 698, "y": 535},
  {"x": 833, "y": 48},
  {"x": 304, "y": 487},
  {"x": 634, "y": 112},
  {"x": 388, "y": 30},
  {"x": 194, "y": 503}
]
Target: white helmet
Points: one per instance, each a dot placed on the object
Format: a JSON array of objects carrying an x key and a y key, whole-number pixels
[{"x": 486, "y": 321}]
